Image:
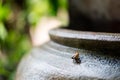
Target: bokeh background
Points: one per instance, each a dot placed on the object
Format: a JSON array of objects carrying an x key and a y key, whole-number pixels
[{"x": 25, "y": 24}]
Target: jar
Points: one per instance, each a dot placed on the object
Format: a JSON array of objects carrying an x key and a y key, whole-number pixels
[{"x": 99, "y": 57}]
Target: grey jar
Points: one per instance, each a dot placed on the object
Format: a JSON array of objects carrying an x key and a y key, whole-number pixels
[{"x": 99, "y": 55}]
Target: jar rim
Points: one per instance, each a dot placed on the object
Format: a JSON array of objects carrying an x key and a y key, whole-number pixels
[
  {"x": 103, "y": 36},
  {"x": 86, "y": 40}
]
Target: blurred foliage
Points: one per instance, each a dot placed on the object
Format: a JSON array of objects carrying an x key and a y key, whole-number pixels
[
  {"x": 38, "y": 8},
  {"x": 16, "y": 17}
]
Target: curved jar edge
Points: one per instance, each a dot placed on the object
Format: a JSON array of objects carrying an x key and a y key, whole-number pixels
[{"x": 96, "y": 41}]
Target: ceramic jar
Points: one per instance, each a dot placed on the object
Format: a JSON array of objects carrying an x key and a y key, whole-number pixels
[{"x": 99, "y": 56}]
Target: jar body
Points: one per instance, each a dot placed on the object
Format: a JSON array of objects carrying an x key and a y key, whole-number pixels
[{"x": 52, "y": 61}]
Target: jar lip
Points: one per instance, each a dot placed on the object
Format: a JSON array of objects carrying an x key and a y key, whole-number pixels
[
  {"x": 96, "y": 41},
  {"x": 87, "y": 35}
]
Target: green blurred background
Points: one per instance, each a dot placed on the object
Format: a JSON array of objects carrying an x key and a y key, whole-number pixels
[{"x": 17, "y": 17}]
